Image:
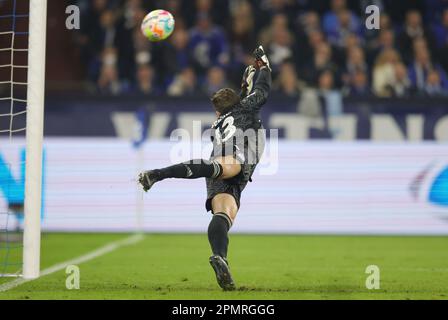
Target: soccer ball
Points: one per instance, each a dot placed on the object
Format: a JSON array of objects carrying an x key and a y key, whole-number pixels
[{"x": 158, "y": 25}]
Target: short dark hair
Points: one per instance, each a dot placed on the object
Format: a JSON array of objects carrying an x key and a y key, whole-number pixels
[{"x": 224, "y": 100}]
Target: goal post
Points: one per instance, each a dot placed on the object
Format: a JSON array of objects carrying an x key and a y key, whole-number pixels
[{"x": 34, "y": 137}]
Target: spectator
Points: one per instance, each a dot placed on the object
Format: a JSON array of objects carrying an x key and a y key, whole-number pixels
[
  {"x": 184, "y": 84},
  {"x": 441, "y": 35},
  {"x": 108, "y": 29},
  {"x": 441, "y": 31},
  {"x": 359, "y": 84},
  {"x": 352, "y": 40},
  {"x": 322, "y": 60},
  {"x": 332, "y": 19},
  {"x": 172, "y": 55},
  {"x": 242, "y": 32},
  {"x": 281, "y": 48},
  {"x": 413, "y": 29},
  {"x": 208, "y": 45},
  {"x": 218, "y": 11},
  {"x": 385, "y": 40},
  {"x": 242, "y": 41},
  {"x": 308, "y": 22},
  {"x": 401, "y": 86},
  {"x": 203, "y": 6},
  {"x": 384, "y": 72},
  {"x": 419, "y": 70},
  {"x": 267, "y": 9},
  {"x": 103, "y": 35},
  {"x": 434, "y": 9},
  {"x": 326, "y": 80},
  {"x": 145, "y": 77},
  {"x": 141, "y": 43},
  {"x": 175, "y": 7},
  {"x": 385, "y": 22},
  {"x": 345, "y": 27},
  {"x": 434, "y": 85},
  {"x": 85, "y": 38},
  {"x": 356, "y": 61},
  {"x": 112, "y": 33},
  {"x": 216, "y": 79},
  {"x": 331, "y": 99},
  {"x": 199, "y": 55},
  {"x": 288, "y": 84},
  {"x": 108, "y": 80},
  {"x": 419, "y": 44},
  {"x": 313, "y": 40},
  {"x": 191, "y": 10},
  {"x": 131, "y": 13},
  {"x": 142, "y": 47},
  {"x": 267, "y": 35},
  {"x": 179, "y": 42}
]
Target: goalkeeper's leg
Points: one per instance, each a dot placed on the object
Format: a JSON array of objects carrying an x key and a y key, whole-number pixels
[
  {"x": 224, "y": 213},
  {"x": 219, "y": 168}
]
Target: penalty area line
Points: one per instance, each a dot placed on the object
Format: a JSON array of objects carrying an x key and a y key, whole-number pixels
[{"x": 112, "y": 246}]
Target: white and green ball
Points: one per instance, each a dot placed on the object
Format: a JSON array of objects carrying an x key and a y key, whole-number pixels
[{"x": 158, "y": 25}]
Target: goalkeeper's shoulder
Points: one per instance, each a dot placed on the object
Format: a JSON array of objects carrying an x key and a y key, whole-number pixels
[{"x": 260, "y": 94}]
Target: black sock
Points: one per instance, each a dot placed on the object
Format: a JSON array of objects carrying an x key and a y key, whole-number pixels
[
  {"x": 217, "y": 234},
  {"x": 192, "y": 169}
]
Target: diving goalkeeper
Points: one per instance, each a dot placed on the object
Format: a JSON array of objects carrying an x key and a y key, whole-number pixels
[{"x": 238, "y": 143}]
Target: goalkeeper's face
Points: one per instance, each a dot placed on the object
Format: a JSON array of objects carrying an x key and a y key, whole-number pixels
[{"x": 224, "y": 100}]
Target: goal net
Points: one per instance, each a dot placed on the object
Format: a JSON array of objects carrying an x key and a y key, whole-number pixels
[{"x": 22, "y": 78}]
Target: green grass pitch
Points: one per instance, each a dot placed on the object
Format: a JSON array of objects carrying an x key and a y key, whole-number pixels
[{"x": 263, "y": 266}]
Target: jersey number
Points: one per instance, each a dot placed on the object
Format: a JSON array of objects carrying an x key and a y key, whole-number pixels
[{"x": 229, "y": 130}]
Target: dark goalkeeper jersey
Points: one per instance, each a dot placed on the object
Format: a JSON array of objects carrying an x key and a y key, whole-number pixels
[{"x": 238, "y": 132}]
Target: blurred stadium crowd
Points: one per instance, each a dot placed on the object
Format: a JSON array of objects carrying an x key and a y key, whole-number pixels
[{"x": 311, "y": 44}]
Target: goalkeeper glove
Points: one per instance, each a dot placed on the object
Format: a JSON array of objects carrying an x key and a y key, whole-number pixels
[
  {"x": 261, "y": 59},
  {"x": 248, "y": 80}
]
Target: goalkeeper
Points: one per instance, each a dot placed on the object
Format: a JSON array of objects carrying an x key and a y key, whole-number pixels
[{"x": 238, "y": 143}]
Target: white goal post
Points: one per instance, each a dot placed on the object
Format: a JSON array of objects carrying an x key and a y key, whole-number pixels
[{"x": 34, "y": 137}]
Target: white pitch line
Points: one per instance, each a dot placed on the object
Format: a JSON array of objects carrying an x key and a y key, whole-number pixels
[{"x": 81, "y": 259}]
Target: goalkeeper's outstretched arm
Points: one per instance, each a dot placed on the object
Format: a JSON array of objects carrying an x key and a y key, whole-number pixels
[{"x": 254, "y": 96}]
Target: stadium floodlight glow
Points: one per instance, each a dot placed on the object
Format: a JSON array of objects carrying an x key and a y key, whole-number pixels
[{"x": 34, "y": 138}]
